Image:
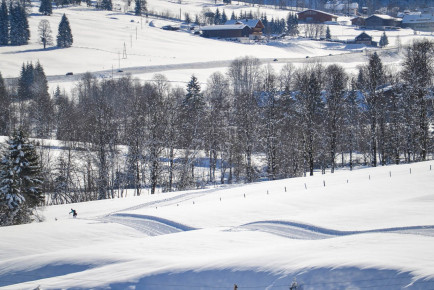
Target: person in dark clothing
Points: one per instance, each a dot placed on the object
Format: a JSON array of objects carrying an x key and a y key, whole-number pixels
[{"x": 74, "y": 213}]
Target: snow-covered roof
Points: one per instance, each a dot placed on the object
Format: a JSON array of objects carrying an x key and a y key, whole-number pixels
[
  {"x": 248, "y": 22},
  {"x": 421, "y": 18},
  {"x": 318, "y": 11},
  {"x": 224, "y": 27},
  {"x": 383, "y": 16}
]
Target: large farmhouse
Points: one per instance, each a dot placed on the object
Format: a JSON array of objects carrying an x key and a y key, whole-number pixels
[
  {"x": 315, "y": 16},
  {"x": 378, "y": 21},
  {"x": 251, "y": 28}
]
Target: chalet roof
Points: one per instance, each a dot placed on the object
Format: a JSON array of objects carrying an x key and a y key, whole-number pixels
[
  {"x": 319, "y": 11},
  {"x": 224, "y": 27},
  {"x": 421, "y": 18},
  {"x": 249, "y": 22},
  {"x": 364, "y": 35},
  {"x": 382, "y": 16}
]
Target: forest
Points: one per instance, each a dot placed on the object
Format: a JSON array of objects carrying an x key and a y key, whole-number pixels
[{"x": 248, "y": 124}]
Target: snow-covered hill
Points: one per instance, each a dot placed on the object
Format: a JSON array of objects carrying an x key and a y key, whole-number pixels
[
  {"x": 106, "y": 41},
  {"x": 368, "y": 228}
]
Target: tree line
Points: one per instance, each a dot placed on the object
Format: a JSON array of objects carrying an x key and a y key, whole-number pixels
[{"x": 124, "y": 133}]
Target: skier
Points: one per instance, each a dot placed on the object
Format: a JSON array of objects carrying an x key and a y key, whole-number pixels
[{"x": 74, "y": 213}]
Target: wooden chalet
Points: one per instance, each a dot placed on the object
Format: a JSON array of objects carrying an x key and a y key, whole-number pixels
[
  {"x": 364, "y": 38},
  {"x": 315, "y": 16}
]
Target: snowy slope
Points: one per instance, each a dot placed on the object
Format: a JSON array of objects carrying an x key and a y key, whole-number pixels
[
  {"x": 369, "y": 228},
  {"x": 139, "y": 46}
]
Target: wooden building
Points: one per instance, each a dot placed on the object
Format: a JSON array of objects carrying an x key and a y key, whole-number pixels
[
  {"x": 251, "y": 28},
  {"x": 380, "y": 22},
  {"x": 421, "y": 22},
  {"x": 226, "y": 31},
  {"x": 358, "y": 21},
  {"x": 364, "y": 38},
  {"x": 315, "y": 16},
  {"x": 256, "y": 26}
]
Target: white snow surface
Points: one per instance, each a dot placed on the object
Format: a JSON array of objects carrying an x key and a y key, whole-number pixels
[
  {"x": 108, "y": 41},
  {"x": 367, "y": 228}
]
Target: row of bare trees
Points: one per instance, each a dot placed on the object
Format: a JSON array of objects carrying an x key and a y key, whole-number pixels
[{"x": 249, "y": 124}]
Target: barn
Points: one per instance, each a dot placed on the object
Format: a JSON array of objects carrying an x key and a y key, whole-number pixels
[
  {"x": 256, "y": 26},
  {"x": 378, "y": 21},
  {"x": 226, "y": 31},
  {"x": 358, "y": 21},
  {"x": 315, "y": 16}
]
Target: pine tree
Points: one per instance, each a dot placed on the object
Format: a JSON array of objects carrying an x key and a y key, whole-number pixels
[
  {"x": 64, "y": 36},
  {"x": 20, "y": 181},
  {"x": 19, "y": 25},
  {"x": 217, "y": 17},
  {"x": 46, "y": 7},
  {"x": 138, "y": 8},
  {"x": 4, "y": 24},
  {"x": 328, "y": 34},
  {"x": 4, "y": 108},
  {"x": 383, "y": 40},
  {"x": 224, "y": 17},
  {"x": 107, "y": 5},
  {"x": 292, "y": 24},
  {"x": 25, "y": 82},
  {"x": 233, "y": 16}
]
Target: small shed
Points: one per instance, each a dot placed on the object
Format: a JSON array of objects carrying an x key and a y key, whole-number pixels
[
  {"x": 364, "y": 38},
  {"x": 315, "y": 16}
]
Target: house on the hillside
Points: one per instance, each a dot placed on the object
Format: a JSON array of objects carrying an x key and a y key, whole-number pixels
[
  {"x": 358, "y": 21},
  {"x": 247, "y": 28},
  {"x": 315, "y": 16},
  {"x": 421, "y": 22},
  {"x": 381, "y": 22},
  {"x": 256, "y": 26},
  {"x": 364, "y": 38},
  {"x": 226, "y": 31}
]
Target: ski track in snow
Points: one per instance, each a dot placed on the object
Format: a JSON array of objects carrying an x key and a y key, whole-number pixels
[
  {"x": 150, "y": 225},
  {"x": 301, "y": 231}
]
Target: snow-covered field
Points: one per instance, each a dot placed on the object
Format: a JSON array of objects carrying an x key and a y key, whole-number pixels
[
  {"x": 370, "y": 228},
  {"x": 106, "y": 41}
]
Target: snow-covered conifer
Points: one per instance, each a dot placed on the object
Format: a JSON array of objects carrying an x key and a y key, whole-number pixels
[{"x": 20, "y": 181}]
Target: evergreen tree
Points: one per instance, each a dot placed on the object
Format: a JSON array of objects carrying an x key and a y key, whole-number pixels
[
  {"x": 46, "y": 7},
  {"x": 233, "y": 16},
  {"x": 292, "y": 24},
  {"x": 217, "y": 17},
  {"x": 64, "y": 36},
  {"x": 19, "y": 26},
  {"x": 4, "y": 108},
  {"x": 20, "y": 181},
  {"x": 328, "y": 34},
  {"x": 224, "y": 17},
  {"x": 25, "y": 82},
  {"x": 4, "y": 24},
  {"x": 138, "y": 8},
  {"x": 383, "y": 40},
  {"x": 107, "y": 5}
]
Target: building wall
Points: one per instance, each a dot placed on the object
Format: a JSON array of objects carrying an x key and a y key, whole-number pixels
[
  {"x": 311, "y": 16},
  {"x": 226, "y": 33}
]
